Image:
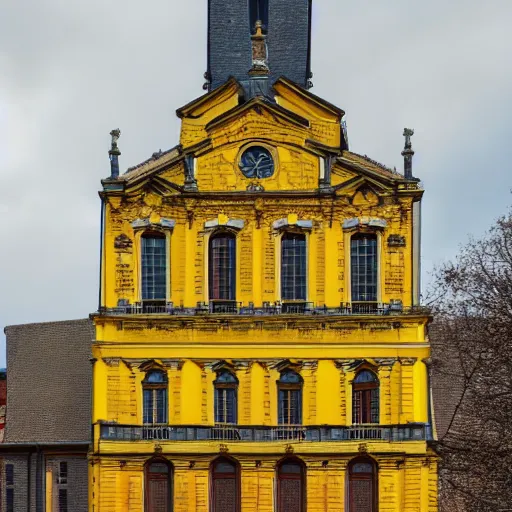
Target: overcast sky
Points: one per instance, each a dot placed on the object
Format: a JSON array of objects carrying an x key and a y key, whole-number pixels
[{"x": 71, "y": 71}]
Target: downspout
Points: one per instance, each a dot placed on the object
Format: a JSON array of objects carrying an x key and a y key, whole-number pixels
[
  {"x": 430, "y": 425},
  {"x": 102, "y": 221},
  {"x": 39, "y": 479},
  {"x": 29, "y": 482}
]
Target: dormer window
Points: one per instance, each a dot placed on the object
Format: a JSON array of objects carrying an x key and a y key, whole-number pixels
[{"x": 154, "y": 267}]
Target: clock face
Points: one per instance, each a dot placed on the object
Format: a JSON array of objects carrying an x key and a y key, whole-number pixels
[{"x": 257, "y": 162}]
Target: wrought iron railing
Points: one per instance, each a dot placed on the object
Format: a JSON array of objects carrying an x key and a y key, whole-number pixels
[
  {"x": 244, "y": 433},
  {"x": 267, "y": 309}
]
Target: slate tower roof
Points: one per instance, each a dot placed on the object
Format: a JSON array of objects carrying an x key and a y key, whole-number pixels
[{"x": 287, "y": 24}]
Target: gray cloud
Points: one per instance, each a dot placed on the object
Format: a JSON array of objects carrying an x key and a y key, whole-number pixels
[{"x": 72, "y": 71}]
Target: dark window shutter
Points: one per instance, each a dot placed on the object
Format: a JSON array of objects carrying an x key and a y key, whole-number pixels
[{"x": 290, "y": 495}]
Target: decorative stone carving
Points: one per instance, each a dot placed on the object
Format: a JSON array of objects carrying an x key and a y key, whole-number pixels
[
  {"x": 396, "y": 241},
  {"x": 408, "y": 361},
  {"x": 111, "y": 361},
  {"x": 386, "y": 361},
  {"x": 123, "y": 242}
]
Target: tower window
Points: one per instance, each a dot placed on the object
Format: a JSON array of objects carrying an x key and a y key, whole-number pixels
[
  {"x": 222, "y": 267},
  {"x": 293, "y": 266},
  {"x": 155, "y": 397},
  {"x": 9, "y": 474},
  {"x": 63, "y": 473},
  {"x": 258, "y": 11},
  {"x": 225, "y": 398},
  {"x": 363, "y": 268},
  {"x": 154, "y": 267},
  {"x": 290, "y": 398},
  {"x": 365, "y": 398}
]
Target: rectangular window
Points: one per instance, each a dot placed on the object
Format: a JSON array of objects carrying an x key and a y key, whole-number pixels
[
  {"x": 63, "y": 500},
  {"x": 222, "y": 267},
  {"x": 363, "y": 268},
  {"x": 9, "y": 499},
  {"x": 293, "y": 267},
  {"x": 289, "y": 407},
  {"x": 9, "y": 474},
  {"x": 155, "y": 406},
  {"x": 63, "y": 473},
  {"x": 225, "y": 405},
  {"x": 154, "y": 268}
]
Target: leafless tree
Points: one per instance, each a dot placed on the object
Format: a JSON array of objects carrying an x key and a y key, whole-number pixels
[{"x": 472, "y": 373}]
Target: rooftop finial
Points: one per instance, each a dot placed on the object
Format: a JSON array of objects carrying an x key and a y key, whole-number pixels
[
  {"x": 408, "y": 153},
  {"x": 114, "y": 154},
  {"x": 259, "y": 52}
]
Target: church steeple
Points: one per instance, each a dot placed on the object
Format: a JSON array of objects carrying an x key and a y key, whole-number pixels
[{"x": 286, "y": 25}]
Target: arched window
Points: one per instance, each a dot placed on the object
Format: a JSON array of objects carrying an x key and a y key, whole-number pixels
[
  {"x": 154, "y": 388},
  {"x": 158, "y": 492},
  {"x": 258, "y": 11},
  {"x": 225, "y": 398},
  {"x": 222, "y": 267},
  {"x": 154, "y": 266},
  {"x": 291, "y": 486},
  {"x": 293, "y": 266},
  {"x": 290, "y": 398},
  {"x": 362, "y": 475},
  {"x": 363, "y": 267},
  {"x": 225, "y": 486},
  {"x": 365, "y": 398}
]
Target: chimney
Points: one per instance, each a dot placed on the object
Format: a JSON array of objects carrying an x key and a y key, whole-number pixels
[
  {"x": 114, "y": 154},
  {"x": 407, "y": 153}
]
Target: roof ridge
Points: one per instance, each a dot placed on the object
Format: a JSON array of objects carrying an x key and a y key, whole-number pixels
[{"x": 155, "y": 156}]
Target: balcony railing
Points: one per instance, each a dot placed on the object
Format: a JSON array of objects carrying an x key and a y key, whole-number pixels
[
  {"x": 267, "y": 309},
  {"x": 243, "y": 433}
]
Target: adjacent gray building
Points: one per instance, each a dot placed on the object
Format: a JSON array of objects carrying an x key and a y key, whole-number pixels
[{"x": 47, "y": 433}]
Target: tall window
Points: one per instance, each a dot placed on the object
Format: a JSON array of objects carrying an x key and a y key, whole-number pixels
[
  {"x": 222, "y": 266},
  {"x": 293, "y": 266},
  {"x": 9, "y": 491},
  {"x": 290, "y": 486},
  {"x": 362, "y": 474},
  {"x": 365, "y": 398},
  {"x": 154, "y": 268},
  {"x": 225, "y": 398},
  {"x": 154, "y": 388},
  {"x": 290, "y": 398},
  {"x": 158, "y": 493},
  {"x": 363, "y": 268},
  {"x": 258, "y": 10},
  {"x": 225, "y": 486}
]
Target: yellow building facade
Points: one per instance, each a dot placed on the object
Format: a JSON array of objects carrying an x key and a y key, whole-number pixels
[{"x": 259, "y": 343}]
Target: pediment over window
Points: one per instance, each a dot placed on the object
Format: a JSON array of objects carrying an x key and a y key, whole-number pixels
[
  {"x": 370, "y": 222},
  {"x": 151, "y": 364},
  {"x": 146, "y": 223}
]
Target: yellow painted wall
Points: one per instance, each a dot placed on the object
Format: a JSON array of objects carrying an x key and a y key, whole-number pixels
[{"x": 324, "y": 349}]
